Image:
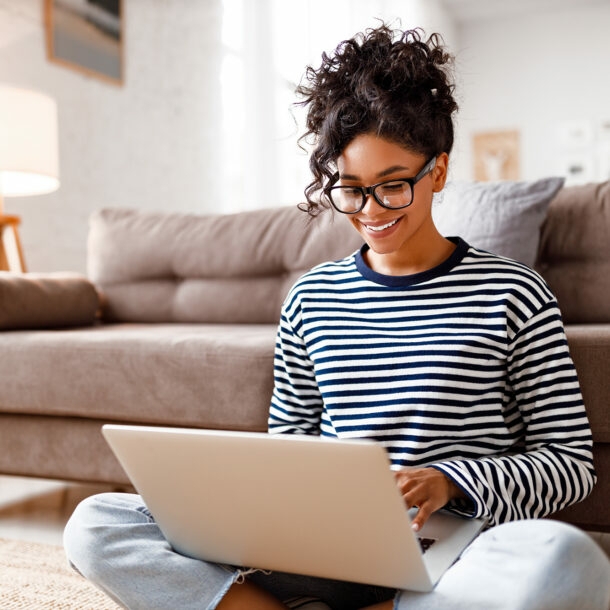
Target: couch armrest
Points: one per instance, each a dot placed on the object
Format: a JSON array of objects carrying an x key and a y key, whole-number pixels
[
  {"x": 590, "y": 350},
  {"x": 46, "y": 300}
]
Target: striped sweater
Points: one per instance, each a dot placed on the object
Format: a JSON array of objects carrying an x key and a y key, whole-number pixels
[{"x": 464, "y": 368}]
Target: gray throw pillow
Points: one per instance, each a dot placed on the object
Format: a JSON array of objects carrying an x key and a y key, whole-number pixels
[{"x": 500, "y": 217}]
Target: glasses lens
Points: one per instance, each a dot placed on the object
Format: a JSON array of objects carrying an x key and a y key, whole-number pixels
[
  {"x": 395, "y": 194},
  {"x": 346, "y": 198}
]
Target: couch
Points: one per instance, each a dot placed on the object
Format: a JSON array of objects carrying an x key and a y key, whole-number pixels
[{"x": 175, "y": 325}]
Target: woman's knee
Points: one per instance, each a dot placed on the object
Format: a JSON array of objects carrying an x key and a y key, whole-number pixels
[
  {"x": 556, "y": 539},
  {"x": 574, "y": 549},
  {"x": 93, "y": 523},
  {"x": 579, "y": 574},
  {"x": 524, "y": 565},
  {"x": 558, "y": 563}
]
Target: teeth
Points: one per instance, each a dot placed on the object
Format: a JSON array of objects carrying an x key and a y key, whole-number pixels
[{"x": 382, "y": 227}]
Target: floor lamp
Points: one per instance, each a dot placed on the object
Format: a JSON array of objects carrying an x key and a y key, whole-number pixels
[{"x": 29, "y": 160}]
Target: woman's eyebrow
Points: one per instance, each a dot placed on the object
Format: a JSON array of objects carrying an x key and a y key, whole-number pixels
[
  {"x": 381, "y": 174},
  {"x": 392, "y": 170}
]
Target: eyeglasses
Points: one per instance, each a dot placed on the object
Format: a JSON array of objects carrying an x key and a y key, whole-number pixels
[{"x": 393, "y": 194}]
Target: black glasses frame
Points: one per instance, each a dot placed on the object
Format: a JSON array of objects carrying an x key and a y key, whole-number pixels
[{"x": 370, "y": 190}]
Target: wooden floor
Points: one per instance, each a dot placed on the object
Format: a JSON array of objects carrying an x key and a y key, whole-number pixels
[{"x": 37, "y": 510}]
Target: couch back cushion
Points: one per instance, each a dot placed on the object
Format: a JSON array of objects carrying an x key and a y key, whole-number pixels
[
  {"x": 574, "y": 252},
  {"x": 171, "y": 267}
]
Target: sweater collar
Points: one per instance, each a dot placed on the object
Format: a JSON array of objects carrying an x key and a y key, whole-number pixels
[{"x": 397, "y": 281}]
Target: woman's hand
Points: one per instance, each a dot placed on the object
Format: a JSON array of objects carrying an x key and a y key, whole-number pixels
[{"x": 428, "y": 489}]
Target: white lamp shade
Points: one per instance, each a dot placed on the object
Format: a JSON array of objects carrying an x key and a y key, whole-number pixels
[{"x": 29, "y": 157}]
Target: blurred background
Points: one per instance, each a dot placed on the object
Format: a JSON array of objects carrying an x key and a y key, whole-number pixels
[{"x": 189, "y": 107}]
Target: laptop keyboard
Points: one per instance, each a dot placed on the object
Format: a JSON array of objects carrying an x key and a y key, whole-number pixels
[{"x": 425, "y": 543}]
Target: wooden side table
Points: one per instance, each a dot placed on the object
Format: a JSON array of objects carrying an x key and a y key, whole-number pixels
[{"x": 11, "y": 252}]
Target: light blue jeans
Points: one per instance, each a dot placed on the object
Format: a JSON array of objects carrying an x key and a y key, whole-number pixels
[{"x": 113, "y": 541}]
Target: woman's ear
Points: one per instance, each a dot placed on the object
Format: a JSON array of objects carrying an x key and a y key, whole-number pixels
[{"x": 439, "y": 173}]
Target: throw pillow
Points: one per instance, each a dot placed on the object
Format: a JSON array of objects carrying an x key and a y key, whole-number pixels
[
  {"x": 46, "y": 300},
  {"x": 500, "y": 217}
]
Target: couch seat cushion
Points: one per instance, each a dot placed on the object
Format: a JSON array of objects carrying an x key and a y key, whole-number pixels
[{"x": 205, "y": 375}]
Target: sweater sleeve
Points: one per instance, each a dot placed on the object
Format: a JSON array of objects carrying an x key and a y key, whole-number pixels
[
  {"x": 296, "y": 404},
  {"x": 554, "y": 467}
]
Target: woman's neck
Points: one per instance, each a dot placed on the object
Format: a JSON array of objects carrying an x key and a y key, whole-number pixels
[{"x": 412, "y": 258}]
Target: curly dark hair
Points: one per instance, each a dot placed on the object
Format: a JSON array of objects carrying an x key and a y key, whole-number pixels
[{"x": 389, "y": 82}]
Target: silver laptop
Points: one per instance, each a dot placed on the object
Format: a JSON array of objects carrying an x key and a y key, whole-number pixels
[{"x": 291, "y": 503}]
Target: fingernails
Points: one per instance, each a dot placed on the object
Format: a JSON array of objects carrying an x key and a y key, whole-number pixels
[{"x": 415, "y": 527}]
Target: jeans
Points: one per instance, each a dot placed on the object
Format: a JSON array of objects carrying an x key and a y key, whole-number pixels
[{"x": 113, "y": 540}]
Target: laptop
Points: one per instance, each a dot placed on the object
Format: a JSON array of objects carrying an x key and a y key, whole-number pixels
[{"x": 291, "y": 503}]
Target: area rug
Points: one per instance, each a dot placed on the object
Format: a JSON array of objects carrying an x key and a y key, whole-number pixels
[{"x": 37, "y": 576}]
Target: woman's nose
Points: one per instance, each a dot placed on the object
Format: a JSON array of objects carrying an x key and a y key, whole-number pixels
[{"x": 371, "y": 205}]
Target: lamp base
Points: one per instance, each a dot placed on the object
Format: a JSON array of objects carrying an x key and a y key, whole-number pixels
[{"x": 11, "y": 252}]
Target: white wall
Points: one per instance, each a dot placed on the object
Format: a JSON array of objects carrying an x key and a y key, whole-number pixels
[
  {"x": 151, "y": 143},
  {"x": 533, "y": 75}
]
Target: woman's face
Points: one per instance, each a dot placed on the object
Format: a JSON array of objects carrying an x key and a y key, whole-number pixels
[{"x": 399, "y": 235}]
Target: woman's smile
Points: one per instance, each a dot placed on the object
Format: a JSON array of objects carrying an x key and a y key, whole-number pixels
[{"x": 380, "y": 230}]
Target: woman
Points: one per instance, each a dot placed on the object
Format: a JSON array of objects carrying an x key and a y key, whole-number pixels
[{"x": 453, "y": 358}]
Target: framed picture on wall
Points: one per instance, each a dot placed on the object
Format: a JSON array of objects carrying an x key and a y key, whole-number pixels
[
  {"x": 496, "y": 155},
  {"x": 86, "y": 35}
]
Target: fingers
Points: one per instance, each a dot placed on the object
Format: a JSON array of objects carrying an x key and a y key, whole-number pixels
[
  {"x": 421, "y": 517},
  {"x": 425, "y": 503},
  {"x": 426, "y": 488}
]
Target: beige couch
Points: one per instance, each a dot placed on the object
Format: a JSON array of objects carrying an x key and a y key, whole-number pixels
[{"x": 190, "y": 307}]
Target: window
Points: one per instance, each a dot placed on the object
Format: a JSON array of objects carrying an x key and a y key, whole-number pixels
[{"x": 267, "y": 46}]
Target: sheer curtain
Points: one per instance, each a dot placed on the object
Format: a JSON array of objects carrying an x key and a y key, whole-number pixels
[{"x": 267, "y": 46}]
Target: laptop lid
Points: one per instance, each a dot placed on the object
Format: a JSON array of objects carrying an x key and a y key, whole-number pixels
[{"x": 300, "y": 504}]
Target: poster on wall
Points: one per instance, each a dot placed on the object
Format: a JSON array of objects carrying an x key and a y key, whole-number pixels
[
  {"x": 87, "y": 36},
  {"x": 584, "y": 150},
  {"x": 496, "y": 155}
]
